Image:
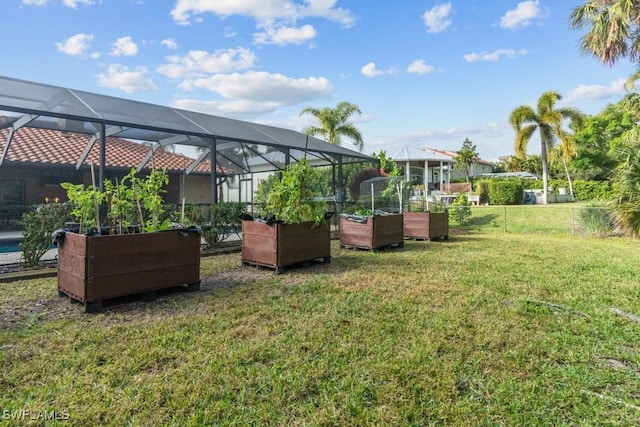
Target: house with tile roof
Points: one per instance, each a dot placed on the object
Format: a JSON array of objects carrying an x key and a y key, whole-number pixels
[
  {"x": 38, "y": 160},
  {"x": 481, "y": 167}
]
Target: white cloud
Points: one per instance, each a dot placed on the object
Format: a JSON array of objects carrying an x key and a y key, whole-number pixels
[
  {"x": 285, "y": 35},
  {"x": 263, "y": 11},
  {"x": 169, "y": 44},
  {"x": 124, "y": 46},
  {"x": 198, "y": 63},
  {"x": 35, "y": 2},
  {"x": 595, "y": 92},
  {"x": 76, "y": 45},
  {"x": 263, "y": 87},
  {"x": 74, "y": 3},
  {"x": 522, "y": 15},
  {"x": 494, "y": 56},
  {"x": 69, "y": 3},
  {"x": 240, "y": 108},
  {"x": 419, "y": 66},
  {"x": 438, "y": 18},
  {"x": 371, "y": 70},
  {"x": 127, "y": 80},
  {"x": 229, "y": 32}
]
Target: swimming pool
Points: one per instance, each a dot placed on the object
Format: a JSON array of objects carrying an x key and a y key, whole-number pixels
[{"x": 10, "y": 245}]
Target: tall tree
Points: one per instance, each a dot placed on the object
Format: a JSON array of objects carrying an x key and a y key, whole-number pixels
[
  {"x": 527, "y": 163},
  {"x": 597, "y": 138},
  {"x": 466, "y": 157},
  {"x": 548, "y": 120},
  {"x": 613, "y": 33},
  {"x": 627, "y": 179},
  {"x": 334, "y": 124},
  {"x": 613, "y": 29}
]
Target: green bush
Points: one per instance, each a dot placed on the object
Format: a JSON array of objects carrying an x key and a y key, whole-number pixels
[
  {"x": 217, "y": 221},
  {"x": 460, "y": 210},
  {"x": 38, "y": 226},
  {"x": 481, "y": 187},
  {"x": 508, "y": 191},
  {"x": 597, "y": 218},
  {"x": 592, "y": 190}
]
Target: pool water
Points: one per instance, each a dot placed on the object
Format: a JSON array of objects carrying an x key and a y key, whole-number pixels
[{"x": 10, "y": 245}]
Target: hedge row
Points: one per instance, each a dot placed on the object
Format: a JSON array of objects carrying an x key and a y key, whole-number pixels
[{"x": 498, "y": 191}]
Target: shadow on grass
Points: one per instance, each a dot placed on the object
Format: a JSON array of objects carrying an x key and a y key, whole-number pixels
[{"x": 478, "y": 221}]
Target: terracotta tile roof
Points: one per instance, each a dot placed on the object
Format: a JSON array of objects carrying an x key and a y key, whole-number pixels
[{"x": 48, "y": 147}]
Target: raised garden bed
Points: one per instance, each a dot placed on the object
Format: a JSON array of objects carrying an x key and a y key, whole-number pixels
[
  {"x": 282, "y": 245},
  {"x": 97, "y": 268},
  {"x": 371, "y": 232},
  {"x": 426, "y": 225}
]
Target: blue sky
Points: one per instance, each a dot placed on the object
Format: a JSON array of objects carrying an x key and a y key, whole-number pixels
[{"x": 424, "y": 73}]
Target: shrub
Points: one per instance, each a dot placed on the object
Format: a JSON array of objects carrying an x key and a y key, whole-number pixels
[
  {"x": 460, "y": 210},
  {"x": 225, "y": 220},
  {"x": 38, "y": 226},
  {"x": 359, "y": 178},
  {"x": 597, "y": 218},
  {"x": 291, "y": 200},
  {"x": 481, "y": 187},
  {"x": 506, "y": 191},
  {"x": 217, "y": 221},
  {"x": 592, "y": 190}
]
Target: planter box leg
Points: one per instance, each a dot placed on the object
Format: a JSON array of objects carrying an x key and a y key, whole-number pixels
[{"x": 93, "y": 307}]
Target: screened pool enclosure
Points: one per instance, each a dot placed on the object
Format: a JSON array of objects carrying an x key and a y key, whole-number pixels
[{"x": 238, "y": 149}]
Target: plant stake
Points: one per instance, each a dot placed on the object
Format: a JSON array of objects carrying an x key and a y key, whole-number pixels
[{"x": 95, "y": 200}]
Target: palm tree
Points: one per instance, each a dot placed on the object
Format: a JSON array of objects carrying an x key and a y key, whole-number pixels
[
  {"x": 548, "y": 120},
  {"x": 627, "y": 177},
  {"x": 564, "y": 152},
  {"x": 612, "y": 29},
  {"x": 333, "y": 124}
]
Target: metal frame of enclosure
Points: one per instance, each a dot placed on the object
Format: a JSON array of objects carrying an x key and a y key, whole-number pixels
[{"x": 237, "y": 147}]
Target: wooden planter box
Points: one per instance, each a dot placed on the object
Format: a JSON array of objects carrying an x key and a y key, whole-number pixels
[
  {"x": 282, "y": 245},
  {"x": 426, "y": 225},
  {"x": 377, "y": 232},
  {"x": 97, "y": 268}
]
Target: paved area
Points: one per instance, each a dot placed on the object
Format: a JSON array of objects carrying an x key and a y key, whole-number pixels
[{"x": 7, "y": 258}]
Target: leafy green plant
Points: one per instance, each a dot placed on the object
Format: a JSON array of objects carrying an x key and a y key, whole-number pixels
[
  {"x": 363, "y": 212},
  {"x": 460, "y": 210},
  {"x": 481, "y": 187},
  {"x": 291, "y": 199},
  {"x": 121, "y": 211},
  {"x": 506, "y": 191},
  {"x": 597, "y": 218},
  {"x": 222, "y": 220},
  {"x": 147, "y": 194},
  {"x": 85, "y": 203},
  {"x": 37, "y": 228},
  {"x": 132, "y": 197},
  {"x": 593, "y": 190}
]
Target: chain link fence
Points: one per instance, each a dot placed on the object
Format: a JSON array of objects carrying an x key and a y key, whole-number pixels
[{"x": 548, "y": 219}]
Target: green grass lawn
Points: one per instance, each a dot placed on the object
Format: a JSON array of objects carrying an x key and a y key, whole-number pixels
[
  {"x": 560, "y": 218},
  {"x": 486, "y": 329}
]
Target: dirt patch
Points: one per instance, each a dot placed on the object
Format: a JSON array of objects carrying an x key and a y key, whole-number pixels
[{"x": 19, "y": 313}]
